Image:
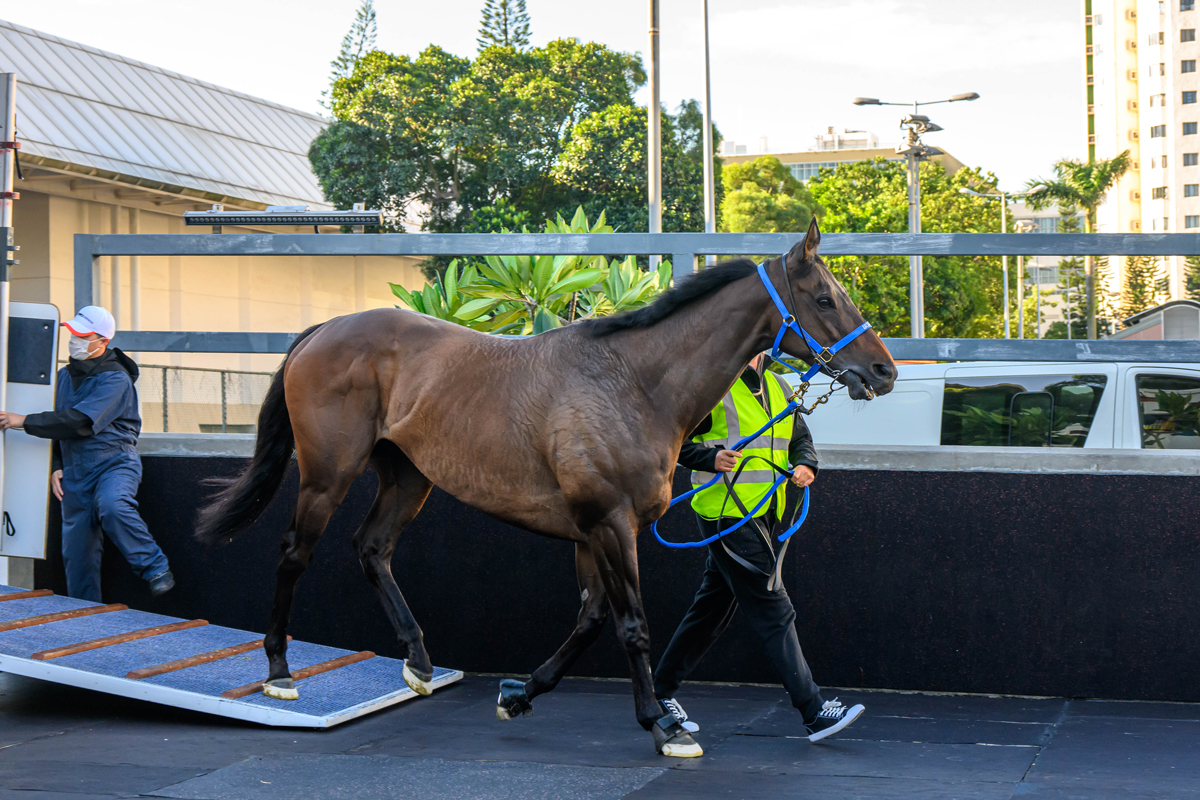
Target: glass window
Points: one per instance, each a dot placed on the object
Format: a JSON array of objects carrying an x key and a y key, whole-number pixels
[
  {"x": 1028, "y": 411},
  {"x": 1187, "y": 34},
  {"x": 1189, "y": 128},
  {"x": 1189, "y": 97},
  {"x": 1169, "y": 409},
  {"x": 1191, "y": 190},
  {"x": 1187, "y": 66},
  {"x": 1187, "y": 5},
  {"x": 1158, "y": 131},
  {"x": 1191, "y": 221},
  {"x": 1191, "y": 159},
  {"x": 1158, "y": 193}
]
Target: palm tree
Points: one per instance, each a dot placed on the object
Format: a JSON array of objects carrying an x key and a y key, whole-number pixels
[{"x": 1082, "y": 184}]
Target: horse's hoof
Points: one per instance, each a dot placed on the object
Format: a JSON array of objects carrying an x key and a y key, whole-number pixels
[
  {"x": 281, "y": 689},
  {"x": 421, "y": 686},
  {"x": 512, "y": 702},
  {"x": 670, "y": 739}
]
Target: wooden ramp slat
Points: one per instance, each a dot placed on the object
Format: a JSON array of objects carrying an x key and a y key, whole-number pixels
[
  {"x": 191, "y": 661},
  {"x": 300, "y": 674},
  {"x": 25, "y": 595},
  {"x": 42, "y": 619},
  {"x": 120, "y": 638}
]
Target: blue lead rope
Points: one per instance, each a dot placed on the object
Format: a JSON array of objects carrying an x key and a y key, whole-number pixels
[{"x": 821, "y": 358}]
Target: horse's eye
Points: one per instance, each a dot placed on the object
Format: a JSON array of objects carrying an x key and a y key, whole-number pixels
[{"x": 825, "y": 302}]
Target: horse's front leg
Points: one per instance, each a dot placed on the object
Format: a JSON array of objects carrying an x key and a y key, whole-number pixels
[
  {"x": 516, "y": 697},
  {"x": 613, "y": 544}
]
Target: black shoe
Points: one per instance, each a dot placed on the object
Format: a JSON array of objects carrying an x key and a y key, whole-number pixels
[
  {"x": 833, "y": 717},
  {"x": 162, "y": 583},
  {"x": 677, "y": 711}
]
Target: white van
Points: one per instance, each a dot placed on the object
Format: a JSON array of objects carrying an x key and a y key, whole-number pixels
[{"x": 1022, "y": 404}]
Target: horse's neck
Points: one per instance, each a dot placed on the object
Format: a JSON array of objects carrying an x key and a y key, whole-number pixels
[{"x": 687, "y": 362}]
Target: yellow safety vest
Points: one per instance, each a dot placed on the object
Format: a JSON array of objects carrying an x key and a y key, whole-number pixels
[{"x": 740, "y": 414}]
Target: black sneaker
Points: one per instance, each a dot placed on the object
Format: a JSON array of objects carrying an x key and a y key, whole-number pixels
[
  {"x": 162, "y": 583},
  {"x": 833, "y": 717},
  {"x": 677, "y": 711}
]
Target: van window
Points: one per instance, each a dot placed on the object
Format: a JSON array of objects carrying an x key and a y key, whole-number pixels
[
  {"x": 1169, "y": 409},
  {"x": 1021, "y": 411}
]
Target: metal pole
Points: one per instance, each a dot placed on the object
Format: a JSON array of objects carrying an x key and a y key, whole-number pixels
[
  {"x": 1020, "y": 297},
  {"x": 8, "y": 133},
  {"x": 1004, "y": 260},
  {"x": 1068, "y": 294},
  {"x": 1037, "y": 297},
  {"x": 710, "y": 189},
  {"x": 166, "y": 421},
  {"x": 654, "y": 135},
  {"x": 915, "y": 289},
  {"x": 115, "y": 270},
  {"x": 223, "y": 415}
]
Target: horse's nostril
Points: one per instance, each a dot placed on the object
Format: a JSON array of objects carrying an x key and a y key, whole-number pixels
[{"x": 882, "y": 370}]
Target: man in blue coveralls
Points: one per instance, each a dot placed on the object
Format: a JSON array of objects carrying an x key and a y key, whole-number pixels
[{"x": 95, "y": 467}]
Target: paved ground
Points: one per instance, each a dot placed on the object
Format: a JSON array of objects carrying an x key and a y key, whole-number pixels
[{"x": 58, "y": 743}]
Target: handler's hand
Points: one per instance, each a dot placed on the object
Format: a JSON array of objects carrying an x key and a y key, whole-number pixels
[
  {"x": 727, "y": 460},
  {"x": 11, "y": 420},
  {"x": 56, "y": 484},
  {"x": 803, "y": 476}
]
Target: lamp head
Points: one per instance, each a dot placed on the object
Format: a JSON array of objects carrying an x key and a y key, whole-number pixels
[
  {"x": 967, "y": 96},
  {"x": 867, "y": 101}
]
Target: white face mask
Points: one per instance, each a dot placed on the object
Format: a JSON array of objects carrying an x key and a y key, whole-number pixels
[{"x": 77, "y": 348}]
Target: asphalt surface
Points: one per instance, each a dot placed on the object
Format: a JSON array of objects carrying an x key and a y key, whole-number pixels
[{"x": 59, "y": 743}]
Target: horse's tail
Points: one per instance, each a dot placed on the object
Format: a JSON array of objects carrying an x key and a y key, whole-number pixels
[{"x": 242, "y": 499}]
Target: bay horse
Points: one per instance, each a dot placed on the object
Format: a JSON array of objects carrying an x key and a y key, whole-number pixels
[{"x": 572, "y": 434}]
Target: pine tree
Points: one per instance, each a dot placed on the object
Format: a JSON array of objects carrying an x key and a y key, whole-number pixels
[
  {"x": 359, "y": 41},
  {"x": 1142, "y": 284},
  {"x": 505, "y": 23},
  {"x": 1191, "y": 278}
]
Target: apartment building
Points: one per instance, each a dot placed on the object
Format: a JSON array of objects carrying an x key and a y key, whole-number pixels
[
  {"x": 829, "y": 149},
  {"x": 1142, "y": 95}
]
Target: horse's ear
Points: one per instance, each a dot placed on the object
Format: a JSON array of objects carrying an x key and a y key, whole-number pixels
[{"x": 812, "y": 240}]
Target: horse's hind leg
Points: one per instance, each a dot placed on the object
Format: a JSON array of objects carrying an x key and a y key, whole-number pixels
[
  {"x": 613, "y": 542},
  {"x": 516, "y": 697},
  {"x": 402, "y": 492},
  {"x": 326, "y": 471}
]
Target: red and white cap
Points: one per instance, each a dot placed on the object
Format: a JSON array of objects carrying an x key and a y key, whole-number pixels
[{"x": 92, "y": 319}]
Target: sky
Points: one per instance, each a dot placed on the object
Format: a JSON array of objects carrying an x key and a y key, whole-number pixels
[{"x": 783, "y": 70}]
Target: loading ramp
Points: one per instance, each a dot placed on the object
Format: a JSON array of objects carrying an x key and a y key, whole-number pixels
[{"x": 189, "y": 663}]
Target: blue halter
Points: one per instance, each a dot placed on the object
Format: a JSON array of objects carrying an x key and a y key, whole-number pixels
[{"x": 821, "y": 358}]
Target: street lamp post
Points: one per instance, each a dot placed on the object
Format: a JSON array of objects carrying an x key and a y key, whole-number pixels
[
  {"x": 914, "y": 152},
  {"x": 654, "y": 138},
  {"x": 710, "y": 189},
  {"x": 1003, "y": 229}
]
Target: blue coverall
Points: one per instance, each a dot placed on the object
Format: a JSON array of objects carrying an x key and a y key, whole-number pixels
[{"x": 96, "y": 425}]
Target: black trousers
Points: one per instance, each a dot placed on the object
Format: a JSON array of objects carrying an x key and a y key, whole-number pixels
[{"x": 725, "y": 586}]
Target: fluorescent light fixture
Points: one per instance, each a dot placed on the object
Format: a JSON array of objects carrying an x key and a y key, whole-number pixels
[{"x": 282, "y": 215}]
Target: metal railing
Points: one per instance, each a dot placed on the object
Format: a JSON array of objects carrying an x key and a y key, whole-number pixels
[
  {"x": 200, "y": 400},
  {"x": 682, "y": 248}
]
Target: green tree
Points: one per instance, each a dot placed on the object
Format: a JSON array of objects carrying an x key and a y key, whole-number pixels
[
  {"x": 761, "y": 196},
  {"x": 1081, "y": 184},
  {"x": 1191, "y": 278},
  {"x": 456, "y": 136},
  {"x": 1141, "y": 284},
  {"x": 603, "y": 168},
  {"x": 963, "y": 294},
  {"x": 1072, "y": 286},
  {"x": 504, "y": 23}
]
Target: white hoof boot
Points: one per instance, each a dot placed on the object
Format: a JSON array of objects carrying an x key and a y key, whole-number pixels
[
  {"x": 692, "y": 750},
  {"x": 283, "y": 689},
  {"x": 423, "y": 688},
  {"x": 670, "y": 739}
]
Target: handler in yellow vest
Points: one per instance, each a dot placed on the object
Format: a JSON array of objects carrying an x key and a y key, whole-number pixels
[{"x": 744, "y": 567}]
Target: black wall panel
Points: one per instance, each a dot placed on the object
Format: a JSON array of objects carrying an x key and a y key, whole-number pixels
[{"x": 1068, "y": 585}]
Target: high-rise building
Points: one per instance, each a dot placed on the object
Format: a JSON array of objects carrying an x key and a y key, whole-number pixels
[{"x": 1142, "y": 96}]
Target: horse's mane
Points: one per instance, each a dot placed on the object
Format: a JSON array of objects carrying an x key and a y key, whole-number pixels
[{"x": 694, "y": 287}]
